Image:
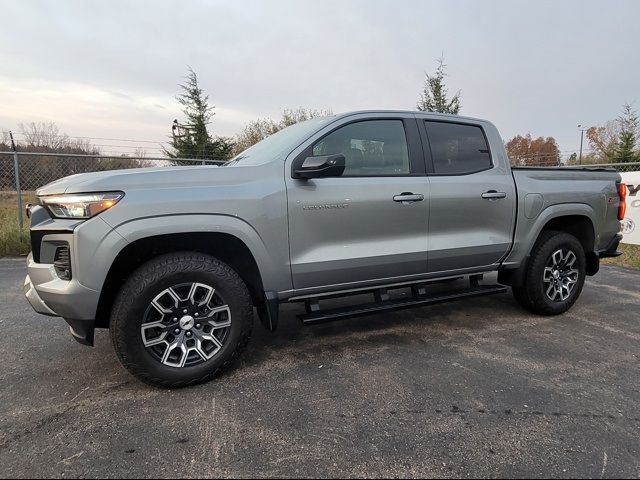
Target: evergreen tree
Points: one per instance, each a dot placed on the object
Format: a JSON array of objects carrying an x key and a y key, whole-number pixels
[
  {"x": 434, "y": 95},
  {"x": 626, "y": 148},
  {"x": 192, "y": 139}
]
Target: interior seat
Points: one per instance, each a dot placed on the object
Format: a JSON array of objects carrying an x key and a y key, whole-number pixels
[{"x": 395, "y": 157}]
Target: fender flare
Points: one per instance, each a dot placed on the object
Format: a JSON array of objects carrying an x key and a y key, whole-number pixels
[
  {"x": 516, "y": 263},
  {"x": 146, "y": 227}
]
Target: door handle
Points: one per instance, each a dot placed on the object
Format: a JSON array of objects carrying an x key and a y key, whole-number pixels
[
  {"x": 493, "y": 195},
  {"x": 408, "y": 197}
]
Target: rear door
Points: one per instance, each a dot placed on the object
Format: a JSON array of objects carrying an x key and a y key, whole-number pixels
[
  {"x": 371, "y": 222},
  {"x": 472, "y": 197}
]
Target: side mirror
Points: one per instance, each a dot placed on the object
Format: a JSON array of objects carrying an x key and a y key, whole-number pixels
[{"x": 321, "y": 166}]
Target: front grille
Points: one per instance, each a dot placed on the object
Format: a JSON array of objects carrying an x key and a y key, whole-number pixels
[{"x": 62, "y": 262}]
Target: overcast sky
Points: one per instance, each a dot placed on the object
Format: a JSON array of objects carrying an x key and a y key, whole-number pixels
[{"x": 111, "y": 68}]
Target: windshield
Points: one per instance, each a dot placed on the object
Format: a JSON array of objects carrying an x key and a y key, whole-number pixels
[{"x": 279, "y": 143}]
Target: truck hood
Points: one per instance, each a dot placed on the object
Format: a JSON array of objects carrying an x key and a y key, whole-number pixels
[{"x": 146, "y": 178}]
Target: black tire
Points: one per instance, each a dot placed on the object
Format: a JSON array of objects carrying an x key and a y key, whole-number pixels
[
  {"x": 155, "y": 276},
  {"x": 522, "y": 297},
  {"x": 532, "y": 295}
]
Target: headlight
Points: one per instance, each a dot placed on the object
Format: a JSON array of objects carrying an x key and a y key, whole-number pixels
[{"x": 81, "y": 205}]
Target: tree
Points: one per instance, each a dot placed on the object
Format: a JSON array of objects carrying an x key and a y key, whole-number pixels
[
  {"x": 603, "y": 141},
  {"x": 434, "y": 95},
  {"x": 541, "y": 151},
  {"x": 626, "y": 147},
  {"x": 258, "y": 130},
  {"x": 255, "y": 131},
  {"x": 301, "y": 114},
  {"x": 616, "y": 140},
  {"x": 47, "y": 135},
  {"x": 192, "y": 139},
  {"x": 65, "y": 156},
  {"x": 43, "y": 134}
]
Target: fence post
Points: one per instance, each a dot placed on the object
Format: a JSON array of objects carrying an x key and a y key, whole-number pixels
[{"x": 16, "y": 169}]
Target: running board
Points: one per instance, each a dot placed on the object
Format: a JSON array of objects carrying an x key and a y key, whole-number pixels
[{"x": 382, "y": 304}]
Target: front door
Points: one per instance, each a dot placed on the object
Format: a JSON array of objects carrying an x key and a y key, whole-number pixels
[{"x": 371, "y": 222}]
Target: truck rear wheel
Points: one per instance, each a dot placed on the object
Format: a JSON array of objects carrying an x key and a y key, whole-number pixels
[
  {"x": 555, "y": 274},
  {"x": 181, "y": 319}
]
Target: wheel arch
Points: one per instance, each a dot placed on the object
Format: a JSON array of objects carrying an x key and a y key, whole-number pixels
[
  {"x": 224, "y": 246},
  {"x": 580, "y": 226},
  {"x": 576, "y": 220}
]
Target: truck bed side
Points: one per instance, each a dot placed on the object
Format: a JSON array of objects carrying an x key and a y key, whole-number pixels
[{"x": 583, "y": 199}]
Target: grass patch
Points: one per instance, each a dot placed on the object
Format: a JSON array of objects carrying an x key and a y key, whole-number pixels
[
  {"x": 13, "y": 241},
  {"x": 630, "y": 257}
]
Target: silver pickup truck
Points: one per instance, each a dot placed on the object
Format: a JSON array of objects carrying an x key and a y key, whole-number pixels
[{"x": 173, "y": 260}]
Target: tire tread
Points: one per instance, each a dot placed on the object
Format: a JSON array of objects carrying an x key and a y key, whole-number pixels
[
  {"x": 531, "y": 294},
  {"x": 155, "y": 270}
]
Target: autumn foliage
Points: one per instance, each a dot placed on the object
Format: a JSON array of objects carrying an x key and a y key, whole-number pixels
[{"x": 527, "y": 151}]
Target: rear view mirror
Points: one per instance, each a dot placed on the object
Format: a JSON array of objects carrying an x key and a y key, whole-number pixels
[{"x": 321, "y": 166}]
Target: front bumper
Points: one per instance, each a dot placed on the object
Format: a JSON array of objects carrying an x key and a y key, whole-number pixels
[
  {"x": 50, "y": 295},
  {"x": 34, "y": 299}
]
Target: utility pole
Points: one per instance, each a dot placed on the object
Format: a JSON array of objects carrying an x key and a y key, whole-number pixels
[
  {"x": 581, "y": 139},
  {"x": 16, "y": 170}
]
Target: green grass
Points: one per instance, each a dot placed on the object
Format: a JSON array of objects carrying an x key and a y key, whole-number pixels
[
  {"x": 630, "y": 257},
  {"x": 13, "y": 241}
]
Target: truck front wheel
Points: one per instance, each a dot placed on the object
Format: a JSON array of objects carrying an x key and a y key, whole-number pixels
[
  {"x": 554, "y": 275},
  {"x": 181, "y": 319}
]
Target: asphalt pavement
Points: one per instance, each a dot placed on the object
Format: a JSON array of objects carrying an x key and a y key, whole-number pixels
[{"x": 473, "y": 388}]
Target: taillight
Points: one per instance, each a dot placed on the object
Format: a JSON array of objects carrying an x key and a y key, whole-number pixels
[{"x": 622, "y": 193}]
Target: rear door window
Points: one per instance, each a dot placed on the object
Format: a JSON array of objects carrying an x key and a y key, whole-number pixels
[{"x": 457, "y": 149}]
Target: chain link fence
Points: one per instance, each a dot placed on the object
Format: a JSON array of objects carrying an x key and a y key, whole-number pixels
[
  {"x": 589, "y": 161},
  {"x": 538, "y": 161},
  {"x": 24, "y": 172},
  {"x": 37, "y": 169},
  {"x": 619, "y": 167}
]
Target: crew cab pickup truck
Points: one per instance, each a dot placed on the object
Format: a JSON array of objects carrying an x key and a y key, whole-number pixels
[{"x": 173, "y": 260}]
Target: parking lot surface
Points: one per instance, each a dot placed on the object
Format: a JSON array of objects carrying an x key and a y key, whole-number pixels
[{"x": 473, "y": 388}]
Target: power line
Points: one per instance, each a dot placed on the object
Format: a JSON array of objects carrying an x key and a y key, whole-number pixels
[{"x": 95, "y": 138}]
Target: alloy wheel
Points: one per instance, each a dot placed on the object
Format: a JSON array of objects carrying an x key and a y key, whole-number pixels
[
  {"x": 560, "y": 275},
  {"x": 186, "y": 325}
]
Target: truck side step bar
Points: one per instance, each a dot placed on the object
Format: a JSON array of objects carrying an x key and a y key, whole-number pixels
[{"x": 382, "y": 302}]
